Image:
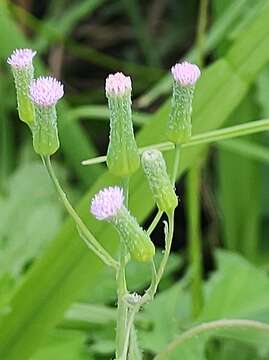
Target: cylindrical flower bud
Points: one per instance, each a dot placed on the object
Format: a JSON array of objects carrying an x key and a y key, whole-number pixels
[
  {"x": 23, "y": 72},
  {"x": 122, "y": 155},
  {"x": 108, "y": 205},
  {"x": 163, "y": 192},
  {"x": 185, "y": 76},
  {"x": 44, "y": 93}
]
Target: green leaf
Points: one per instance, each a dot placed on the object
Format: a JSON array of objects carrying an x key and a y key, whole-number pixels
[
  {"x": 35, "y": 225},
  {"x": 64, "y": 345},
  {"x": 245, "y": 295}
]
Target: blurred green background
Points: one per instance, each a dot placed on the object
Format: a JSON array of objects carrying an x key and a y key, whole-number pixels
[{"x": 56, "y": 299}]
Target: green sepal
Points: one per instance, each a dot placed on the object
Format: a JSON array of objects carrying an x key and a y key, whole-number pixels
[
  {"x": 160, "y": 185},
  {"x": 122, "y": 154},
  {"x": 136, "y": 240}
]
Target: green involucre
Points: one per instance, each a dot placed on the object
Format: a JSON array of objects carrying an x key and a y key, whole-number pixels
[
  {"x": 122, "y": 155},
  {"x": 179, "y": 123},
  {"x": 23, "y": 78},
  {"x": 45, "y": 132},
  {"x": 162, "y": 190},
  {"x": 137, "y": 241}
]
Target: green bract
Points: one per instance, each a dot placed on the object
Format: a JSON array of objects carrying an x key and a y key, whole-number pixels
[
  {"x": 155, "y": 170},
  {"x": 179, "y": 123},
  {"x": 122, "y": 155},
  {"x": 23, "y": 78},
  {"x": 45, "y": 132},
  {"x": 134, "y": 237}
]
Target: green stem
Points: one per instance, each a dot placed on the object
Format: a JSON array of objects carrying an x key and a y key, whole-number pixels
[
  {"x": 122, "y": 314},
  {"x": 83, "y": 231},
  {"x": 201, "y": 29},
  {"x": 134, "y": 351},
  {"x": 122, "y": 306},
  {"x": 176, "y": 164},
  {"x": 213, "y": 325},
  {"x": 194, "y": 238},
  {"x": 156, "y": 278},
  {"x": 204, "y": 138},
  {"x": 155, "y": 222}
]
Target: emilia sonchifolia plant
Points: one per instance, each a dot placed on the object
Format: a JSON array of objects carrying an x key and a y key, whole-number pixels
[{"x": 37, "y": 99}]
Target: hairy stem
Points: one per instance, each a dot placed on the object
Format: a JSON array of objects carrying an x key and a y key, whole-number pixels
[
  {"x": 122, "y": 314},
  {"x": 204, "y": 138},
  {"x": 205, "y": 327},
  {"x": 83, "y": 231}
]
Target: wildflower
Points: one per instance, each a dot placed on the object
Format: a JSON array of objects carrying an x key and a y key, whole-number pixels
[
  {"x": 122, "y": 155},
  {"x": 44, "y": 93},
  {"x": 108, "y": 204},
  {"x": 185, "y": 76},
  {"x": 23, "y": 72},
  {"x": 162, "y": 190}
]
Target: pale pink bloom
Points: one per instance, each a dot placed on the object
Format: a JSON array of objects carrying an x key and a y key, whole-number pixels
[
  {"x": 21, "y": 58},
  {"x": 46, "y": 91},
  {"x": 117, "y": 84},
  {"x": 186, "y": 73},
  {"x": 107, "y": 202}
]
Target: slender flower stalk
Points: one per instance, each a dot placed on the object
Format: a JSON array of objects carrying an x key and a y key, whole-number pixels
[
  {"x": 45, "y": 92},
  {"x": 122, "y": 155},
  {"x": 108, "y": 205},
  {"x": 21, "y": 62}
]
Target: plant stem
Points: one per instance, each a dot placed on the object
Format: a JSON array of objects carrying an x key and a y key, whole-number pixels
[
  {"x": 122, "y": 314},
  {"x": 176, "y": 164},
  {"x": 194, "y": 237},
  {"x": 155, "y": 222},
  {"x": 122, "y": 306},
  {"x": 204, "y": 138},
  {"x": 83, "y": 231},
  {"x": 156, "y": 278},
  {"x": 205, "y": 327}
]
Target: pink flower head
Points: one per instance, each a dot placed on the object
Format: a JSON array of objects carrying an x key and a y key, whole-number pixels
[
  {"x": 107, "y": 202},
  {"x": 117, "y": 84},
  {"x": 186, "y": 73},
  {"x": 46, "y": 91},
  {"x": 21, "y": 58}
]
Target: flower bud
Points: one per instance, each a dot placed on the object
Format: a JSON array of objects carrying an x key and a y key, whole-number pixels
[
  {"x": 108, "y": 205},
  {"x": 185, "y": 76},
  {"x": 163, "y": 192},
  {"x": 44, "y": 93},
  {"x": 122, "y": 155},
  {"x": 23, "y": 71}
]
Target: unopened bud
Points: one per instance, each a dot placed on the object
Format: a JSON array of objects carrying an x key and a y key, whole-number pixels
[
  {"x": 45, "y": 93},
  {"x": 23, "y": 72},
  {"x": 122, "y": 155},
  {"x": 185, "y": 76},
  {"x": 162, "y": 190},
  {"x": 108, "y": 205}
]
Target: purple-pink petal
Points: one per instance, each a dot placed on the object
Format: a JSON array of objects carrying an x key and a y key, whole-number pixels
[
  {"x": 186, "y": 73},
  {"x": 46, "y": 91},
  {"x": 118, "y": 84},
  {"x": 21, "y": 58},
  {"x": 107, "y": 202}
]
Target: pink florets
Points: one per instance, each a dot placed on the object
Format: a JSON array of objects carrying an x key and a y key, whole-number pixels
[
  {"x": 21, "y": 58},
  {"x": 46, "y": 91},
  {"x": 107, "y": 202},
  {"x": 186, "y": 73},
  {"x": 118, "y": 84}
]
